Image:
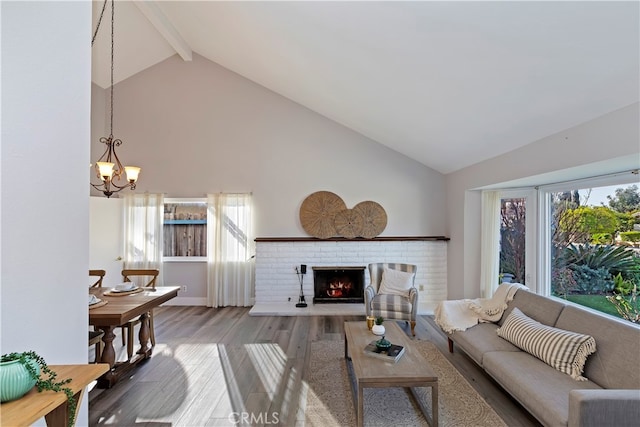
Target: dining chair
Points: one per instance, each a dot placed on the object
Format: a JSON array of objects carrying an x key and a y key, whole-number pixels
[
  {"x": 100, "y": 275},
  {"x": 391, "y": 293},
  {"x": 95, "y": 338},
  {"x": 145, "y": 278}
]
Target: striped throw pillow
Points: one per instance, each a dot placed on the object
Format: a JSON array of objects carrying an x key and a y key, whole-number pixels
[{"x": 563, "y": 350}]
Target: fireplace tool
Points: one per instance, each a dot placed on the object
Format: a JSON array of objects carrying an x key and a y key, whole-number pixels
[{"x": 301, "y": 273}]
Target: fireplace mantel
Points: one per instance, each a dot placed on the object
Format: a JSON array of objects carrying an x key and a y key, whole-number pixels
[{"x": 342, "y": 239}]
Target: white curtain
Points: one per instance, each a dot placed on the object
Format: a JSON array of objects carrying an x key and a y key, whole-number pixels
[
  {"x": 230, "y": 250},
  {"x": 143, "y": 215},
  {"x": 490, "y": 243}
]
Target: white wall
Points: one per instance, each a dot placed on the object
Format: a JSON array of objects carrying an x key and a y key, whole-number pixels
[
  {"x": 46, "y": 72},
  {"x": 99, "y": 120},
  {"x": 610, "y": 143},
  {"x": 197, "y": 128}
]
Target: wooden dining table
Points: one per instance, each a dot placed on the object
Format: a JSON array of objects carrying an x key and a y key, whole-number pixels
[{"x": 119, "y": 310}]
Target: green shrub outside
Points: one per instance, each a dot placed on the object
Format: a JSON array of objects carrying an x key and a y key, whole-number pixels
[
  {"x": 630, "y": 236},
  {"x": 616, "y": 259},
  {"x": 621, "y": 285},
  {"x": 601, "y": 238},
  {"x": 592, "y": 281}
]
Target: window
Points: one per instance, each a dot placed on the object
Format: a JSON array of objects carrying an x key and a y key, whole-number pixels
[
  {"x": 517, "y": 237},
  {"x": 591, "y": 241},
  {"x": 185, "y": 230},
  {"x": 512, "y": 239},
  {"x": 508, "y": 239}
]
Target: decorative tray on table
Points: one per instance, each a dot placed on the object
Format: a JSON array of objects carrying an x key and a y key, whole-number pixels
[{"x": 390, "y": 352}]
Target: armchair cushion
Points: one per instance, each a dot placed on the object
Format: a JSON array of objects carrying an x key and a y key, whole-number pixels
[
  {"x": 396, "y": 282},
  {"x": 391, "y": 303}
]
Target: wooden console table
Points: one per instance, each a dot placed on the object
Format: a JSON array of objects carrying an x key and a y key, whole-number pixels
[{"x": 51, "y": 405}]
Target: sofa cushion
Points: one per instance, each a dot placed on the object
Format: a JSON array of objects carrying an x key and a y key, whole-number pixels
[
  {"x": 566, "y": 351},
  {"x": 541, "y": 389},
  {"x": 544, "y": 310},
  {"x": 395, "y": 282},
  {"x": 615, "y": 364},
  {"x": 478, "y": 340}
]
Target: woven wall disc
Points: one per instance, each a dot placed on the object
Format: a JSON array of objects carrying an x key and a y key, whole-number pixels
[
  {"x": 374, "y": 218},
  {"x": 348, "y": 223},
  {"x": 318, "y": 211}
]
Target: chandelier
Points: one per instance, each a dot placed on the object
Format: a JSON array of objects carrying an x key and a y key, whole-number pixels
[{"x": 108, "y": 168}]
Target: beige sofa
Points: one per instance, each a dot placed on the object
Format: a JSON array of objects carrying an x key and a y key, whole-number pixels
[{"x": 609, "y": 397}]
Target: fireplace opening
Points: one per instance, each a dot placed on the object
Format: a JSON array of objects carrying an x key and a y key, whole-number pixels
[{"x": 338, "y": 285}]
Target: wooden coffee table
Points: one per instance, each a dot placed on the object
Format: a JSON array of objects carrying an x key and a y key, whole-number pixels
[{"x": 410, "y": 371}]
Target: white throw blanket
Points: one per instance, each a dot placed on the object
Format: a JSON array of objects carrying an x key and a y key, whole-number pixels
[{"x": 459, "y": 315}]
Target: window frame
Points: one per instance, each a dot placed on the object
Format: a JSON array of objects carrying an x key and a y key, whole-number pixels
[
  {"x": 185, "y": 200},
  {"x": 544, "y": 217}
]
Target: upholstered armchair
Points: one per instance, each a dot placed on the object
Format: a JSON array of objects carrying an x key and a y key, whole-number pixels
[{"x": 392, "y": 293}]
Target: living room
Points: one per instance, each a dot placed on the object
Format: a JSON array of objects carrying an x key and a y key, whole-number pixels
[{"x": 246, "y": 139}]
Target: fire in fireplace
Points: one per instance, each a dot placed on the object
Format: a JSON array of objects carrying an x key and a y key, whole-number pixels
[{"x": 338, "y": 285}]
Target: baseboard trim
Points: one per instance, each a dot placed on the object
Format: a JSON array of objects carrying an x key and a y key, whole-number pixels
[
  {"x": 290, "y": 309},
  {"x": 187, "y": 301}
]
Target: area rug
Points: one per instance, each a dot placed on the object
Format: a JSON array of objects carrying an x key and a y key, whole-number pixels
[{"x": 328, "y": 399}]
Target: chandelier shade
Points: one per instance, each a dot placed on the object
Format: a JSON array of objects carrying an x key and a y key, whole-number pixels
[{"x": 109, "y": 170}]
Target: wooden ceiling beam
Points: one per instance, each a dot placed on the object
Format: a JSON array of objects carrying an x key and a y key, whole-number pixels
[{"x": 161, "y": 23}]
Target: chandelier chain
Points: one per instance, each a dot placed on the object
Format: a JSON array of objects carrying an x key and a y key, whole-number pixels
[
  {"x": 111, "y": 108},
  {"x": 95, "y": 33}
]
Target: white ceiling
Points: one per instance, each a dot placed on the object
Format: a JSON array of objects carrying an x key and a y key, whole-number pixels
[{"x": 448, "y": 84}]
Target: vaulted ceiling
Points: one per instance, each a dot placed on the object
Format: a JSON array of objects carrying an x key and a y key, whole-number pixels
[{"x": 448, "y": 84}]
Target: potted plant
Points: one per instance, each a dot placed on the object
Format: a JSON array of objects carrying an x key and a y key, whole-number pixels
[
  {"x": 19, "y": 372},
  {"x": 378, "y": 328},
  {"x": 506, "y": 277}
]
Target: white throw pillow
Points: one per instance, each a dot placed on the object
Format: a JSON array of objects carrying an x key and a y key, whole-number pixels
[{"x": 395, "y": 282}]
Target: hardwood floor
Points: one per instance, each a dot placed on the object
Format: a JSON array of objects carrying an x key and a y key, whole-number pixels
[{"x": 212, "y": 364}]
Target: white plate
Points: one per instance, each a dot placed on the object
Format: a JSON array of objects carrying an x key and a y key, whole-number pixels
[{"x": 124, "y": 287}]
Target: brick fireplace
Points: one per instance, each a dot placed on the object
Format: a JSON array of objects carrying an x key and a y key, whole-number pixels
[{"x": 277, "y": 286}]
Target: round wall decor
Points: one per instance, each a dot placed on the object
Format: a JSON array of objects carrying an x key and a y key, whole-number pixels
[
  {"x": 348, "y": 223},
  {"x": 374, "y": 218},
  {"x": 318, "y": 211}
]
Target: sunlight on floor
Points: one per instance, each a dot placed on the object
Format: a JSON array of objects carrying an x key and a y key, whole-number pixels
[
  {"x": 250, "y": 383},
  {"x": 269, "y": 362},
  {"x": 278, "y": 378}
]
